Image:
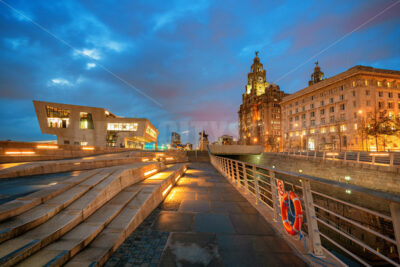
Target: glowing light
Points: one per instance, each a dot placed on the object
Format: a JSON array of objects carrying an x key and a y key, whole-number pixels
[
  {"x": 169, "y": 158},
  {"x": 150, "y": 172},
  {"x": 379, "y": 154},
  {"x": 19, "y": 153},
  {"x": 348, "y": 191},
  {"x": 145, "y": 159},
  {"x": 347, "y": 178},
  {"x": 166, "y": 190},
  {"x": 177, "y": 178},
  {"x": 47, "y": 146},
  {"x": 77, "y": 163},
  {"x": 300, "y": 171},
  {"x": 332, "y": 154},
  {"x": 360, "y": 111},
  {"x": 54, "y": 183},
  {"x": 87, "y": 148}
]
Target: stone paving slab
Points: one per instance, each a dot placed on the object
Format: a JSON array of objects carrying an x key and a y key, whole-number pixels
[{"x": 207, "y": 223}]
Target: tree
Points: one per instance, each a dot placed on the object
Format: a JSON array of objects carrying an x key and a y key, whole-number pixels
[{"x": 378, "y": 123}]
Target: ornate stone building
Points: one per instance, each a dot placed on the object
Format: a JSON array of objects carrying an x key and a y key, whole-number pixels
[
  {"x": 260, "y": 112},
  {"x": 331, "y": 113}
]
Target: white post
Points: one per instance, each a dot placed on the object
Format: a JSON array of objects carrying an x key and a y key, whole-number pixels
[
  {"x": 313, "y": 232},
  {"x": 274, "y": 192},
  {"x": 232, "y": 170},
  {"x": 257, "y": 188},
  {"x": 395, "y": 212},
  {"x": 237, "y": 174},
  {"x": 246, "y": 184},
  {"x": 373, "y": 160},
  {"x": 391, "y": 161},
  {"x": 358, "y": 157}
]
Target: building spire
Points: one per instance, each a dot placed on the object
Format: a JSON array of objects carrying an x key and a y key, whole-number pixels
[
  {"x": 317, "y": 76},
  {"x": 257, "y": 53}
]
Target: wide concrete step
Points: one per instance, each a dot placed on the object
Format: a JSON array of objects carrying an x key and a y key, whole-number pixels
[
  {"x": 14, "y": 250},
  {"x": 71, "y": 243},
  {"x": 19, "y": 224},
  {"x": 22, "y": 204},
  {"x": 153, "y": 191}
]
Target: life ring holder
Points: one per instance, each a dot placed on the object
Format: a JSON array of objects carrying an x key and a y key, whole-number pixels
[{"x": 289, "y": 200}]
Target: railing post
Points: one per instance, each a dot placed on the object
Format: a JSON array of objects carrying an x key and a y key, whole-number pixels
[
  {"x": 275, "y": 198},
  {"x": 345, "y": 156},
  {"x": 225, "y": 168},
  {"x": 237, "y": 174},
  {"x": 391, "y": 161},
  {"x": 358, "y": 156},
  {"x": 232, "y": 170},
  {"x": 256, "y": 187},
  {"x": 373, "y": 160},
  {"x": 395, "y": 212},
  {"x": 313, "y": 232},
  {"x": 323, "y": 155},
  {"x": 315, "y": 154},
  {"x": 246, "y": 184}
]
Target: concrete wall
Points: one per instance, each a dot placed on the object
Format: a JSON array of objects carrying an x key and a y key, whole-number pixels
[
  {"x": 235, "y": 149},
  {"x": 196, "y": 155},
  {"x": 62, "y": 152}
]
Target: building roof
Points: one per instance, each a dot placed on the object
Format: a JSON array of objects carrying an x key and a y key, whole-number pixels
[{"x": 348, "y": 73}]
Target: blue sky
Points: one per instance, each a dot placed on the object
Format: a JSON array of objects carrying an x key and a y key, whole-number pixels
[{"x": 182, "y": 64}]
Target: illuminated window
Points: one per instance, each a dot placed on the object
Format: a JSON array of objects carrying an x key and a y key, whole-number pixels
[
  {"x": 323, "y": 130},
  {"x": 366, "y": 82},
  {"x": 151, "y": 132},
  {"x": 389, "y": 85},
  {"x": 312, "y": 131},
  {"x": 128, "y": 127},
  {"x": 303, "y": 132},
  {"x": 354, "y": 83},
  {"x": 84, "y": 143},
  {"x": 379, "y": 83},
  {"x": 291, "y": 134},
  {"x": 355, "y": 126},
  {"x": 343, "y": 127},
  {"x": 297, "y": 133},
  {"x": 332, "y": 129},
  {"x": 57, "y": 117},
  {"x": 86, "y": 121}
]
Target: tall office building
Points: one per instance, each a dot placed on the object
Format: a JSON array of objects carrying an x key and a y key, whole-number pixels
[{"x": 260, "y": 112}]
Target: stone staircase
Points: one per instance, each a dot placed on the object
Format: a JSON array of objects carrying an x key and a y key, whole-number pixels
[{"x": 84, "y": 219}]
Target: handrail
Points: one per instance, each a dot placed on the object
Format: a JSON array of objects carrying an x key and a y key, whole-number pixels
[{"x": 261, "y": 182}]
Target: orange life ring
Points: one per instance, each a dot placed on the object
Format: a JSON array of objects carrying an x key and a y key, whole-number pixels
[{"x": 293, "y": 227}]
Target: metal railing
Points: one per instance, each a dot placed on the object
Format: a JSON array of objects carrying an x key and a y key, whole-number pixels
[
  {"x": 391, "y": 159},
  {"x": 361, "y": 223}
]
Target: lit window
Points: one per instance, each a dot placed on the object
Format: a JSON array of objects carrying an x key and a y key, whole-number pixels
[
  {"x": 343, "y": 127},
  {"x": 312, "y": 131},
  {"x": 354, "y": 83},
  {"x": 379, "y": 83},
  {"x": 389, "y": 85},
  {"x": 84, "y": 143},
  {"x": 57, "y": 117},
  {"x": 366, "y": 82},
  {"x": 332, "y": 129},
  {"x": 355, "y": 126},
  {"x": 151, "y": 132},
  {"x": 291, "y": 134},
  {"x": 303, "y": 132},
  {"x": 86, "y": 121},
  {"x": 128, "y": 127},
  {"x": 297, "y": 133},
  {"x": 323, "y": 130}
]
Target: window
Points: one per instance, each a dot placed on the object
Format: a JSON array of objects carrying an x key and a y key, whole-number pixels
[
  {"x": 322, "y": 120},
  {"x": 297, "y": 103},
  {"x": 312, "y": 130},
  {"x": 303, "y": 116},
  {"x": 354, "y": 83},
  {"x": 398, "y": 95},
  {"x": 331, "y": 100},
  {"x": 341, "y": 88},
  {"x": 390, "y": 94},
  {"x": 76, "y": 143},
  {"x": 332, "y": 129},
  {"x": 313, "y": 114},
  {"x": 128, "y": 127},
  {"x": 380, "y": 94},
  {"x": 398, "y": 105},
  {"x": 322, "y": 111},
  {"x": 290, "y": 112},
  {"x": 312, "y": 97},
  {"x": 379, "y": 83},
  {"x": 332, "y": 119},
  {"x": 354, "y": 93},
  {"x": 381, "y": 104},
  {"x": 355, "y": 115},
  {"x": 312, "y": 122},
  {"x": 343, "y": 117},
  {"x": 86, "y": 121},
  {"x": 366, "y": 82},
  {"x": 354, "y": 103},
  {"x": 312, "y": 106},
  {"x": 297, "y": 118},
  {"x": 304, "y": 124},
  {"x": 343, "y": 127},
  {"x": 390, "y": 105},
  {"x": 150, "y": 131},
  {"x": 323, "y": 130},
  {"x": 389, "y": 85},
  {"x": 304, "y": 108},
  {"x": 341, "y": 97},
  {"x": 297, "y": 110},
  {"x": 368, "y": 103},
  {"x": 66, "y": 142},
  {"x": 302, "y": 101},
  {"x": 342, "y": 106},
  {"x": 355, "y": 126},
  {"x": 57, "y": 117},
  {"x": 366, "y": 92},
  {"x": 322, "y": 103},
  {"x": 291, "y": 119},
  {"x": 332, "y": 109}
]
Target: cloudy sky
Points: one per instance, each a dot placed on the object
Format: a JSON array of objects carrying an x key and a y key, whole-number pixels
[{"x": 182, "y": 64}]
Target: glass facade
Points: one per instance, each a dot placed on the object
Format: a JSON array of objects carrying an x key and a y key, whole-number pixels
[{"x": 130, "y": 127}]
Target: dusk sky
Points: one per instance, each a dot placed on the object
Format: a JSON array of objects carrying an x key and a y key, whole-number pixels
[{"x": 181, "y": 64}]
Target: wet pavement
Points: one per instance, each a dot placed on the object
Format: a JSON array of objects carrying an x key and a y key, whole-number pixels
[{"x": 204, "y": 221}]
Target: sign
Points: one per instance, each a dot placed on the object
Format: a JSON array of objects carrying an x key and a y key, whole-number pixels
[{"x": 280, "y": 187}]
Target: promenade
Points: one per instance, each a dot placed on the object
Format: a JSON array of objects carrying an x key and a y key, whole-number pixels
[{"x": 204, "y": 221}]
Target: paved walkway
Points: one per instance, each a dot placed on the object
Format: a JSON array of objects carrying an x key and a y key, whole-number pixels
[{"x": 204, "y": 221}]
